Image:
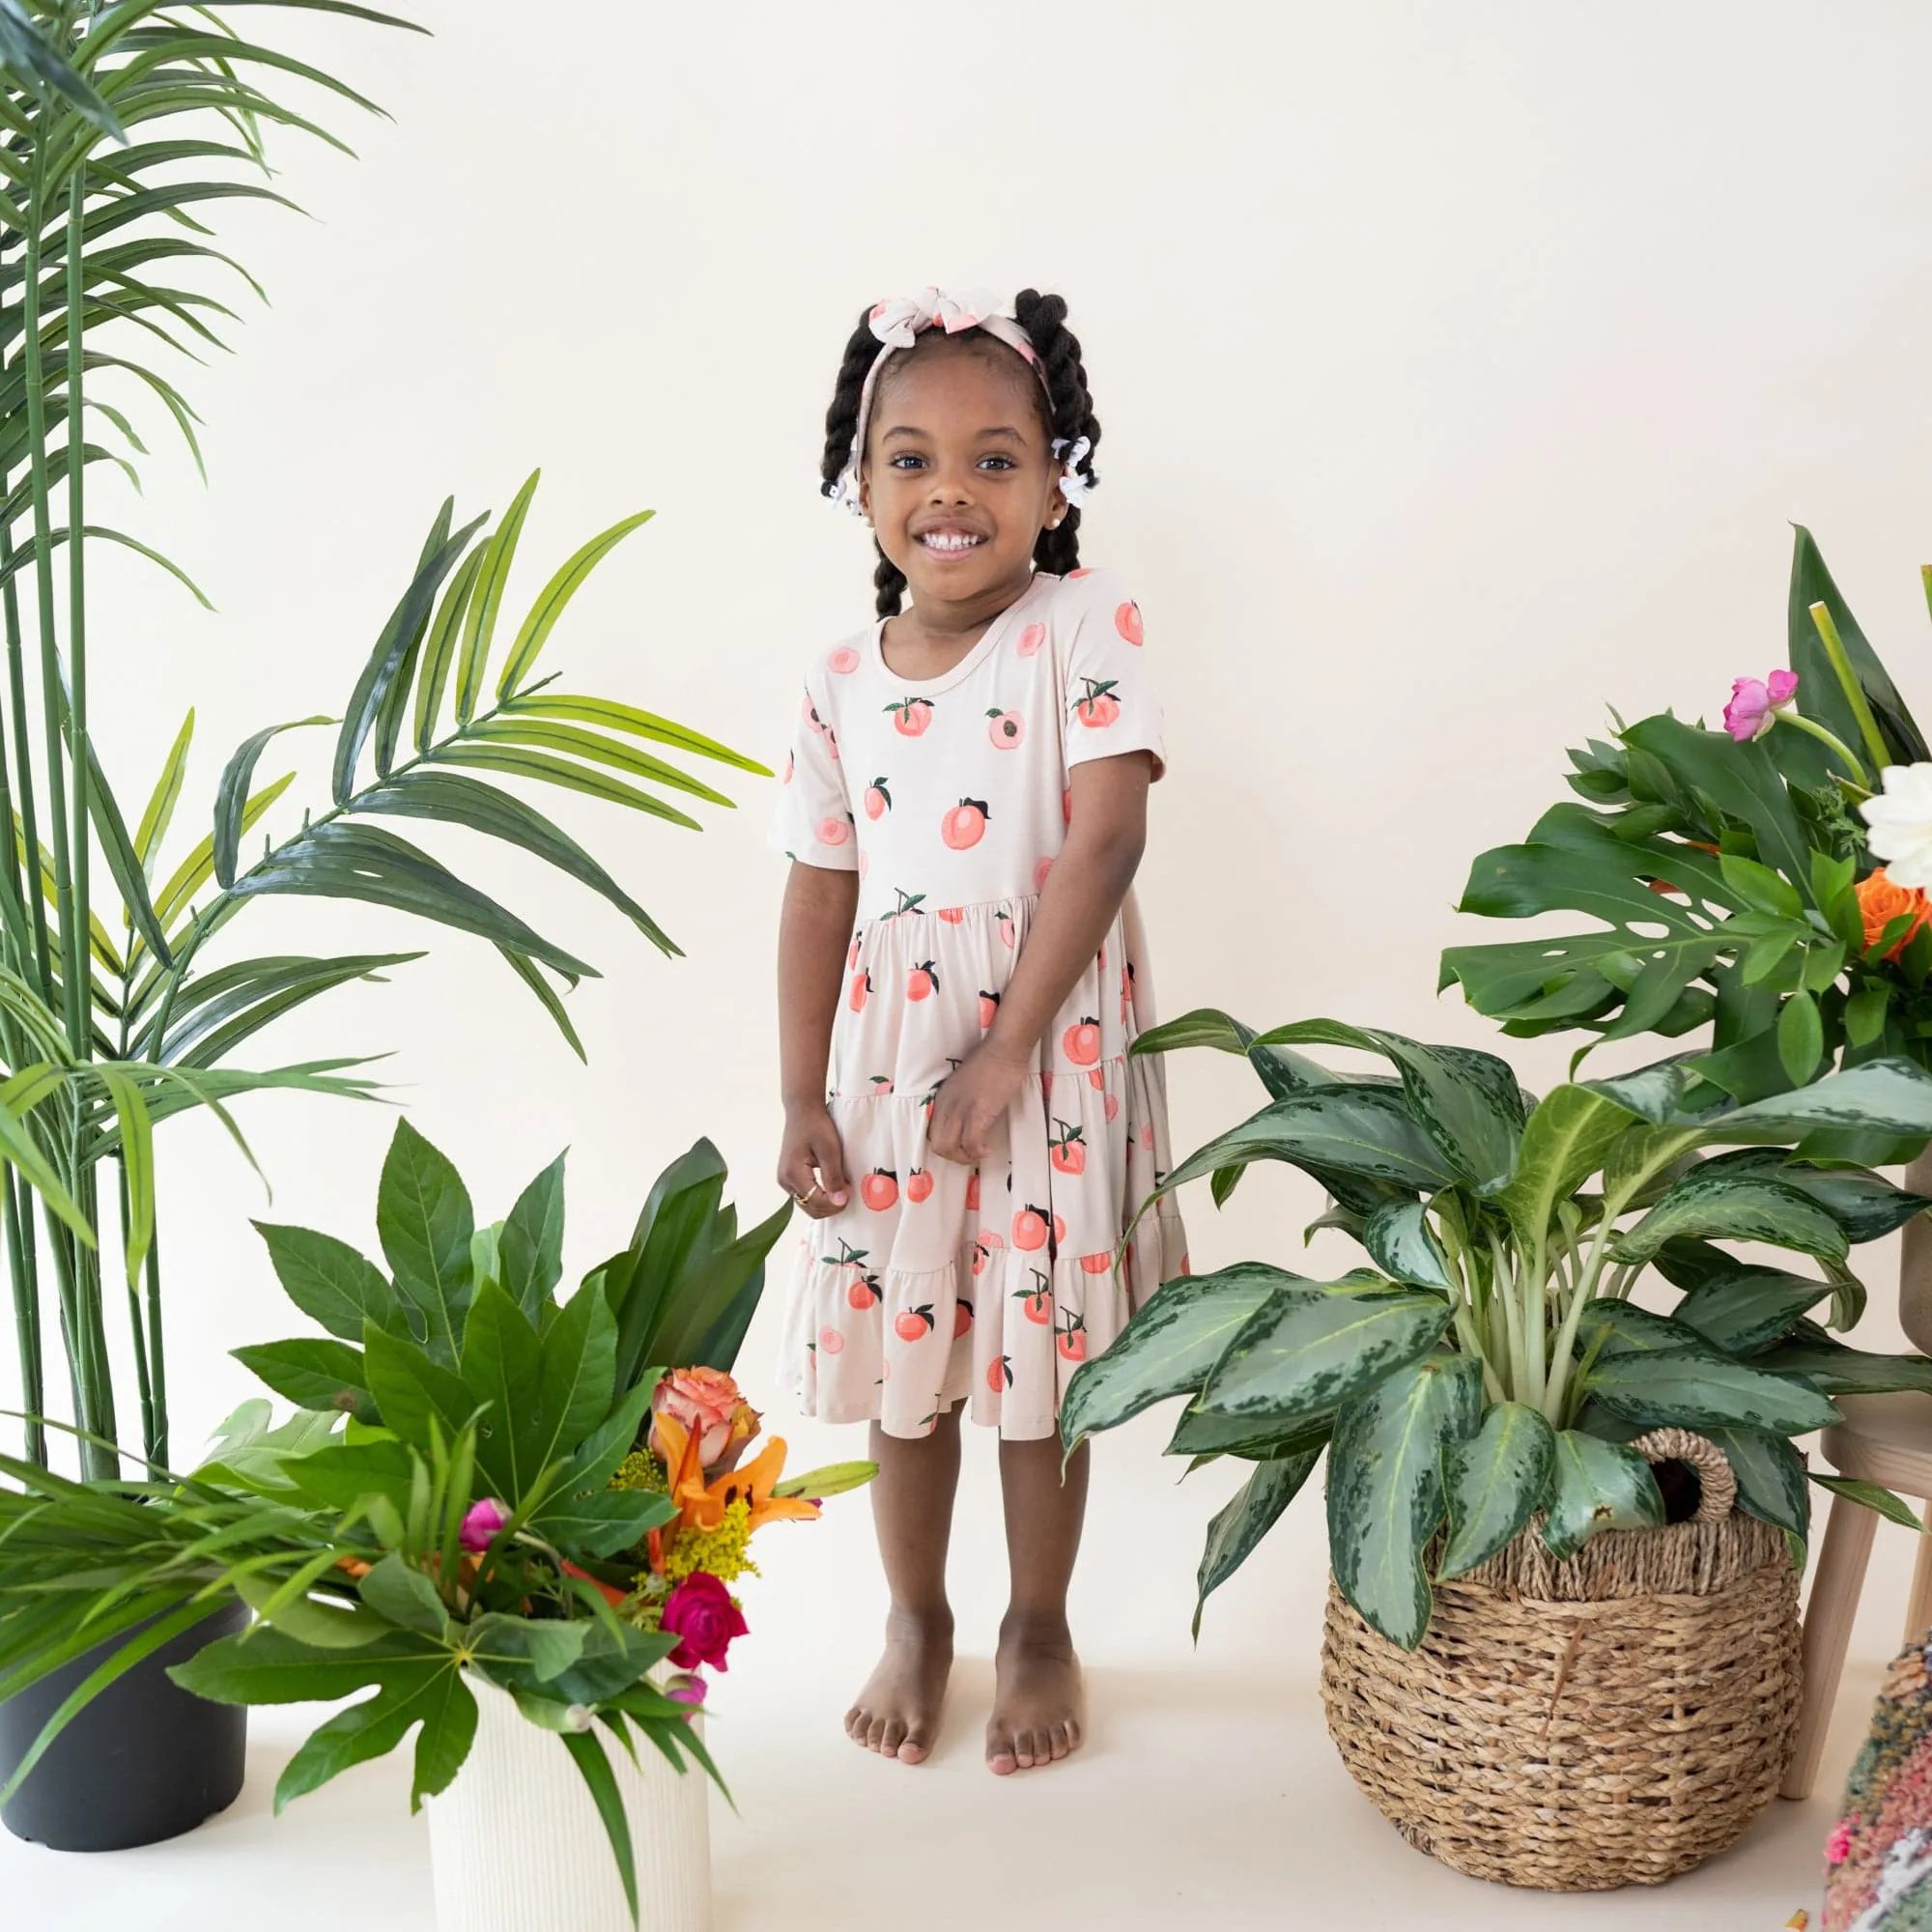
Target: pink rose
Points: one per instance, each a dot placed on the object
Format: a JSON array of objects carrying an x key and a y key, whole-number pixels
[
  {"x": 686, "y": 1689},
  {"x": 481, "y": 1523},
  {"x": 708, "y": 1405},
  {"x": 700, "y": 1611},
  {"x": 1755, "y": 704}
]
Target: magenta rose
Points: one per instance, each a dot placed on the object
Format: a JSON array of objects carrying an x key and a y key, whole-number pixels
[
  {"x": 700, "y": 1612},
  {"x": 480, "y": 1524}
]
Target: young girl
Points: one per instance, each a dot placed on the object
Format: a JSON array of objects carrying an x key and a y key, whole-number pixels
[{"x": 960, "y": 967}]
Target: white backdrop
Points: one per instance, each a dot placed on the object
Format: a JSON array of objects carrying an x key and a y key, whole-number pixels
[{"x": 1460, "y": 370}]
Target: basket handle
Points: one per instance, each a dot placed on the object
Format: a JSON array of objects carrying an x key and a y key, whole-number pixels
[{"x": 1717, "y": 1486}]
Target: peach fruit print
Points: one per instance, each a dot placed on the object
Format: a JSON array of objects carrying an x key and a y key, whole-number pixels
[{"x": 951, "y": 799}]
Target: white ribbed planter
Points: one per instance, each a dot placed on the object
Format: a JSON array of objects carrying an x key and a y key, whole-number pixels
[{"x": 517, "y": 1846}]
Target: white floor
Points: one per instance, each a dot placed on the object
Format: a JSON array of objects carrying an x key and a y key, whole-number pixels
[{"x": 1209, "y": 1786}]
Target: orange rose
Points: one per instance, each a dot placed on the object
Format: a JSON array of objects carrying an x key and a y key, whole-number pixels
[
  {"x": 706, "y": 1403},
  {"x": 1881, "y": 902}
]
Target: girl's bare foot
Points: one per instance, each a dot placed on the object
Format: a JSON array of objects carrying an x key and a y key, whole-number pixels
[
  {"x": 897, "y": 1711},
  {"x": 1038, "y": 1702}
]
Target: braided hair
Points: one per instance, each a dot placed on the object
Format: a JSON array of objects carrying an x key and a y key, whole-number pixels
[{"x": 1066, "y": 409}]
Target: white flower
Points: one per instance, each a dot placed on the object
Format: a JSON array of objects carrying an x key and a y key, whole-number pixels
[{"x": 1900, "y": 818}]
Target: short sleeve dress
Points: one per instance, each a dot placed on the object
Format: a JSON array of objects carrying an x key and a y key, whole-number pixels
[{"x": 951, "y": 797}]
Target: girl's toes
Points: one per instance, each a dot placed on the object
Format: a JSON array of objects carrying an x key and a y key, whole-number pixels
[
  {"x": 875, "y": 1732},
  {"x": 913, "y": 1746},
  {"x": 893, "y": 1735},
  {"x": 1057, "y": 1744},
  {"x": 1001, "y": 1759}
]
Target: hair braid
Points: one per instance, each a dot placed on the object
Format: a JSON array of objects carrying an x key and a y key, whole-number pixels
[
  {"x": 842, "y": 424},
  {"x": 1044, "y": 317}
]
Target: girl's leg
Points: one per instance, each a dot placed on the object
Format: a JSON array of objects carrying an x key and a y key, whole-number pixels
[
  {"x": 898, "y": 1713},
  {"x": 1038, "y": 1702}
]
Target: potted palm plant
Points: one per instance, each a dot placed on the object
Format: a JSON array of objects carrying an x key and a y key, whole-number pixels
[
  {"x": 513, "y": 1519},
  {"x": 123, "y": 997},
  {"x": 1491, "y": 1403}
]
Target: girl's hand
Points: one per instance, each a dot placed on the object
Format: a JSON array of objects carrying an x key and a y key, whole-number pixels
[
  {"x": 811, "y": 1162},
  {"x": 970, "y": 1103}
]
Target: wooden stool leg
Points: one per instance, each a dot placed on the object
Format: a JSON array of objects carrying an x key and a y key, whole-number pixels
[
  {"x": 1828, "y": 1630},
  {"x": 1919, "y": 1609}
]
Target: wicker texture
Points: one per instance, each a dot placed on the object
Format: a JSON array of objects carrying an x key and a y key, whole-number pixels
[
  {"x": 1613, "y": 1718},
  {"x": 516, "y": 1844}
]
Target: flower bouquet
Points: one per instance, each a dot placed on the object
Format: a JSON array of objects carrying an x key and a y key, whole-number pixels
[{"x": 483, "y": 1484}]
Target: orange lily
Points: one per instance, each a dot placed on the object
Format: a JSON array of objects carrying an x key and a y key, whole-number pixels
[{"x": 702, "y": 1505}]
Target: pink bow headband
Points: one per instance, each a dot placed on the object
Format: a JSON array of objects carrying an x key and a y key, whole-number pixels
[{"x": 897, "y": 323}]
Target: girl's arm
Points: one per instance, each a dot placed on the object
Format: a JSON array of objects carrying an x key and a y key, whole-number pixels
[
  {"x": 814, "y": 930},
  {"x": 1082, "y": 895}
]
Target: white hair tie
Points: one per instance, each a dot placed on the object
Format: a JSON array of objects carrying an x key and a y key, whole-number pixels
[{"x": 1073, "y": 485}]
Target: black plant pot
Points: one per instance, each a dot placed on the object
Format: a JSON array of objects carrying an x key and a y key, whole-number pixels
[{"x": 144, "y": 1761}]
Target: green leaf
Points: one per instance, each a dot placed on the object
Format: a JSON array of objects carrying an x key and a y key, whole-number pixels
[
  {"x": 311, "y": 1373},
  {"x": 161, "y": 802},
  {"x": 1691, "y": 1390},
  {"x": 524, "y": 762},
  {"x": 588, "y": 1754},
  {"x": 450, "y": 798},
  {"x": 1887, "y": 1097},
  {"x": 1838, "y": 1370},
  {"x": 1310, "y": 1350},
  {"x": 217, "y": 1010},
  {"x": 1253, "y": 1511},
  {"x": 1595, "y": 1485},
  {"x": 439, "y": 651},
  {"x": 413, "y": 1391},
  {"x": 531, "y": 1248},
  {"x": 1749, "y": 1308},
  {"x": 1385, "y": 1498},
  {"x": 1873, "y": 1496},
  {"x": 424, "y": 1221},
  {"x": 603, "y": 1525},
  {"x": 232, "y": 794},
  {"x": 594, "y": 748},
  {"x": 611, "y": 716},
  {"x": 1358, "y": 1131},
  {"x": 1205, "y": 1436},
  {"x": 1821, "y": 696},
  {"x": 1760, "y": 888},
  {"x": 41, "y": 71},
  {"x": 480, "y": 627},
  {"x": 555, "y": 595},
  {"x": 1800, "y": 1037},
  {"x": 330, "y": 1282},
  {"x": 1492, "y": 1482},
  {"x": 1567, "y": 1140},
  {"x": 198, "y": 867},
  {"x": 1770, "y": 1477},
  {"x": 305, "y": 1619},
  {"x": 403, "y": 1595},
  {"x": 441, "y": 1703},
  {"x": 1733, "y": 1206},
  {"x": 1401, "y": 1245},
  {"x": 1864, "y": 1203},
  {"x": 1864, "y": 1014},
  {"x": 532, "y": 976},
  {"x": 343, "y": 861},
  {"x": 704, "y": 1318},
  {"x": 1168, "y": 1349},
  {"x": 1467, "y": 1102}
]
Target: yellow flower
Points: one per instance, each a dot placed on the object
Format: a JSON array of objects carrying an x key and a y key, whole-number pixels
[{"x": 724, "y": 1551}]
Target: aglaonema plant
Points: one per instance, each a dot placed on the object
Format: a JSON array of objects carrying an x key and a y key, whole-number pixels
[
  {"x": 1487, "y": 1365},
  {"x": 121, "y": 127}
]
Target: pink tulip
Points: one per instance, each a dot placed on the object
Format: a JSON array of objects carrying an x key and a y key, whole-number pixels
[
  {"x": 687, "y": 1690},
  {"x": 1755, "y": 704},
  {"x": 481, "y": 1524}
]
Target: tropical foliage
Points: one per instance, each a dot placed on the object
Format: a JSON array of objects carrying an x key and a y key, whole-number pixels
[
  {"x": 461, "y": 1496},
  {"x": 121, "y": 127},
  {"x": 1731, "y": 877},
  {"x": 1488, "y": 1367}
]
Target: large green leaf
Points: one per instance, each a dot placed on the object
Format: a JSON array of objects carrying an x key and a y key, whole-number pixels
[
  {"x": 502, "y": 1368},
  {"x": 1492, "y": 1482},
  {"x": 312, "y": 1374},
  {"x": 1201, "y": 1435},
  {"x": 487, "y": 600},
  {"x": 1385, "y": 1498},
  {"x": 1749, "y": 1308},
  {"x": 1733, "y": 1206},
  {"x": 1838, "y": 1369},
  {"x": 424, "y": 1221},
  {"x": 1771, "y": 1476},
  {"x": 596, "y": 748},
  {"x": 439, "y": 645},
  {"x": 217, "y": 1010},
  {"x": 1401, "y": 1245},
  {"x": 1168, "y": 1349},
  {"x": 1253, "y": 1511},
  {"x": 555, "y": 595},
  {"x": 1467, "y": 1102},
  {"x": 611, "y": 716},
  {"x": 1872, "y": 1496},
  {"x": 703, "y": 1320},
  {"x": 414, "y": 1392},
  {"x": 1690, "y": 1390},
  {"x": 1595, "y": 1485},
  {"x": 1821, "y": 696},
  {"x": 1566, "y": 1141},
  {"x": 1864, "y": 1203},
  {"x": 1891, "y": 1096},
  {"x": 531, "y": 1247},
  {"x": 329, "y": 1282},
  {"x": 603, "y": 1524},
  {"x": 1358, "y": 1131},
  {"x": 1309, "y": 1350}
]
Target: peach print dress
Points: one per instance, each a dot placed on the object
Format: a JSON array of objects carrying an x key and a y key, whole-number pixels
[{"x": 950, "y": 797}]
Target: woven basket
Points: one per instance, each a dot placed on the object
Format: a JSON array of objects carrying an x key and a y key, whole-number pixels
[{"x": 1614, "y": 1718}]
